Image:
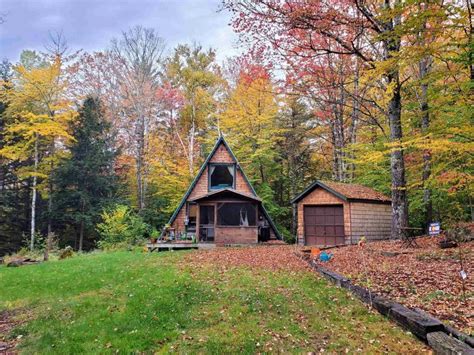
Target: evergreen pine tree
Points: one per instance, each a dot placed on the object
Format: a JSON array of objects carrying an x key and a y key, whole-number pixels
[{"x": 86, "y": 181}]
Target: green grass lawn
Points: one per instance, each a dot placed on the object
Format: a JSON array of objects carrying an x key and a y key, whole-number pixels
[{"x": 130, "y": 301}]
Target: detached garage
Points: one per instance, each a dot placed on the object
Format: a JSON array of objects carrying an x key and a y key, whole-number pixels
[{"x": 333, "y": 213}]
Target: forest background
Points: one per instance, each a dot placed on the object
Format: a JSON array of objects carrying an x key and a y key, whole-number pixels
[{"x": 377, "y": 93}]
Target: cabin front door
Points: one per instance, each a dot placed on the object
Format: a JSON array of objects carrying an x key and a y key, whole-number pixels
[{"x": 206, "y": 223}]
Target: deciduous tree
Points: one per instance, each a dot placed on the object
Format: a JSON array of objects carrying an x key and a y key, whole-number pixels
[{"x": 38, "y": 129}]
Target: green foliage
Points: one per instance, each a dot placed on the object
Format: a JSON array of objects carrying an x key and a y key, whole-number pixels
[
  {"x": 39, "y": 244},
  {"x": 31, "y": 60},
  {"x": 14, "y": 196},
  {"x": 86, "y": 181},
  {"x": 193, "y": 70},
  {"x": 155, "y": 213},
  {"x": 121, "y": 227},
  {"x": 284, "y": 135}
]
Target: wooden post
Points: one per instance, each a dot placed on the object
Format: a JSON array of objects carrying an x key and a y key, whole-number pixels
[
  {"x": 294, "y": 222},
  {"x": 256, "y": 219},
  {"x": 198, "y": 221}
]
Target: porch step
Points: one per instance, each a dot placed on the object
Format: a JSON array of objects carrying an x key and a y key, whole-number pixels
[{"x": 178, "y": 246}]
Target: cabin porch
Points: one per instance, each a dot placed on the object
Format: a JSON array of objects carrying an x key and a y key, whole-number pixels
[{"x": 223, "y": 218}]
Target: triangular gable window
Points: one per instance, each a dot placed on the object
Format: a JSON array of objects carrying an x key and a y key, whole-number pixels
[{"x": 221, "y": 176}]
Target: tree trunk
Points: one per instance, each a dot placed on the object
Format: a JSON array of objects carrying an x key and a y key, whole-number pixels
[
  {"x": 191, "y": 138},
  {"x": 33, "y": 198},
  {"x": 293, "y": 180},
  {"x": 342, "y": 136},
  {"x": 354, "y": 123},
  {"x": 81, "y": 227},
  {"x": 50, "y": 188},
  {"x": 191, "y": 149},
  {"x": 337, "y": 127},
  {"x": 262, "y": 173},
  {"x": 335, "y": 163},
  {"x": 397, "y": 162},
  {"x": 47, "y": 248},
  {"x": 294, "y": 222},
  {"x": 49, "y": 238},
  {"x": 81, "y": 235},
  {"x": 139, "y": 162},
  {"x": 424, "y": 66},
  {"x": 471, "y": 34}
]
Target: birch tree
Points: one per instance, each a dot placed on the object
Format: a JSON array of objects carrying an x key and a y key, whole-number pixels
[
  {"x": 140, "y": 51},
  {"x": 193, "y": 71},
  {"x": 39, "y": 121}
]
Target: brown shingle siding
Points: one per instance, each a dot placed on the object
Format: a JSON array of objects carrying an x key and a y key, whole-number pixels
[
  {"x": 236, "y": 235},
  {"x": 201, "y": 188},
  {"x": 366, "y": 212},
  {"x": 370, "y": 220}
]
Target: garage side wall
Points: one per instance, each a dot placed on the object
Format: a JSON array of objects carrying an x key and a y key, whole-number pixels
[
  {"x": 370, "y": 220},
  {"x": 321, "y": 197}
]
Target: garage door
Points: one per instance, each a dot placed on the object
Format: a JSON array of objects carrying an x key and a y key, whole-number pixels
[{"x": 324, "y": 225}]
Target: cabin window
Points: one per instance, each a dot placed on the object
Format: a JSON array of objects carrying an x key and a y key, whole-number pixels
[
  {"x": 236, "y": 214},
  {"x": 192, "y": 214},
  {"x": 221, "y": 176}
]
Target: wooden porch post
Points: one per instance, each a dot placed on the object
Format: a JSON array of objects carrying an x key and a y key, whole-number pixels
[
  {"x": 256, "y": 220},
  {"x": 198, "y": 222}
]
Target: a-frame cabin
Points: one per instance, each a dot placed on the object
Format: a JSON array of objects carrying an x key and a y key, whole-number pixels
[{"x": 221, "y": 206}]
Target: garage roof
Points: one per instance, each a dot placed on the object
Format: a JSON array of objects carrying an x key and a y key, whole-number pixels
[{"x": 347, "y": 192}]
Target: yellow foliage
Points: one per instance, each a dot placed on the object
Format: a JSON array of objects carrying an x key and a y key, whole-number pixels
[
  {"x": 248, "y": 122},
  {"x": 37, "y": 113},
  {"x": 169, "y": 169}
]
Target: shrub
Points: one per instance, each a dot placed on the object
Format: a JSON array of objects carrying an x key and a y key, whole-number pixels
[
  {"x": 66, "y": 253},
  {"x": 121, "y": 228},
  {"x": 287, "y": 236},
  {"x": 39, "y": 244},
  {"x": 462, "y": 232}
]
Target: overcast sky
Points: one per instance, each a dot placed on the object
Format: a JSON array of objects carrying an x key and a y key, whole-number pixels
[{"x": 91, "y": 24}]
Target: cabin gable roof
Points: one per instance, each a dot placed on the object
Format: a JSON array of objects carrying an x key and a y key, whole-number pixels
[{"x": 221, "y": 141}]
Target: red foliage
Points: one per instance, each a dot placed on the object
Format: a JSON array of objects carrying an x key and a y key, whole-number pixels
[
  {"x": 170, "y": 98},
  {"x": 250, "y": 67}
]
